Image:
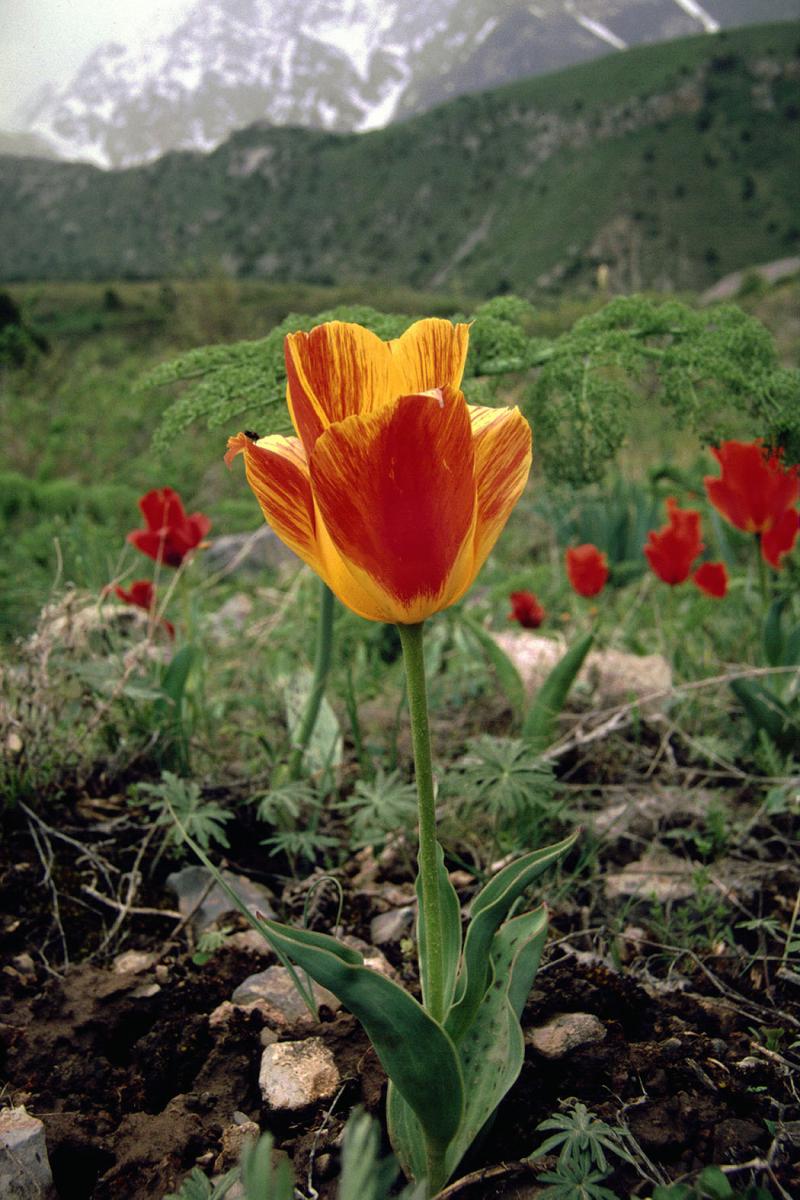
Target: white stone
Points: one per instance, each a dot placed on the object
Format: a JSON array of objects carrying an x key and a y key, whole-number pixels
[
  {"x": 565, "y": 1032},
  {"x": 296, "y": 1074},
  {"x": 132, "y": 962},
  {"x": 24, "y": 1166}
]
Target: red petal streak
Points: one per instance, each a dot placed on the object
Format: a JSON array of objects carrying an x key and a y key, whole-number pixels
[
  {"x": 277, "y": 472},
  {"x": 396, "y": 493},
  {"x": 431, "y": 354},
  {"x": 332, "y": 373}
]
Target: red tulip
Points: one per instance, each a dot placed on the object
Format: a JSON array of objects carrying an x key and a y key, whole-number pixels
[
  {"x": 526, "y": 609},
  {"x": 712, "y": 578},
  {"x": 587, "y": 569},
  {"x": 142, "y": 594},
  {"x": 170, "y": 532},
  {"x": 672, "y": 549},
  {"x": 757, "y": 494}
]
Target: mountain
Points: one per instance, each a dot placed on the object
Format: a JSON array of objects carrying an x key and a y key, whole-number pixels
[
  {"x": 338, "y": 65},
  {"x": 671, "y": 164}
]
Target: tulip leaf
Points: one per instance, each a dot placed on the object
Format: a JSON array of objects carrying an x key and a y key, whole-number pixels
[
  {"x": 773, "y": 632},
  {"x": 767, "y": 711},
  {"x": 450, "y": 911},
  {"x": 489, "y": 909},
  {"x": 491, "y": 1050},
  {"x": 539, "y": 724},
  {"x": 507, "y": 674},
  {"x": 416, "y": 1053}
]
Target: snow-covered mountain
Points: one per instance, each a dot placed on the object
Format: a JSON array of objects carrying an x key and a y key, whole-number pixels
[{"x": 338, "y": 64}]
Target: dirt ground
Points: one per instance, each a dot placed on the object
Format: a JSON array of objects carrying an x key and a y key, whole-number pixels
[{"x": 135, "y": 1086}]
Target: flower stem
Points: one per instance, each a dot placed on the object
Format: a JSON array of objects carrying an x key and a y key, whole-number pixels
[
  {"x": 430, "y": 914},
  {"x": 322, "y": 665}
]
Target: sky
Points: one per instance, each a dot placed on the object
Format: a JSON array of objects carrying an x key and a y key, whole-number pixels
[{"x": 47, "y": 40}]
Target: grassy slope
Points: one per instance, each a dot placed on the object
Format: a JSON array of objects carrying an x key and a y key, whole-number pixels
[{"x": 470, "y": 194}]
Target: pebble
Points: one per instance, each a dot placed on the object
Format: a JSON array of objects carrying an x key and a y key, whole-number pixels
[
  {"x": 132, "y": 962},
  {"x": 191, "y": 883},
  {"x": 24, "y": 1166},
  {"x": 565, "y": 1032},
  {"x": 234, "y": 1139},
  {"x": 294, "y": 1075},
  {"x": 276, "y": 988},
  {"x": 391, "y": 926}
]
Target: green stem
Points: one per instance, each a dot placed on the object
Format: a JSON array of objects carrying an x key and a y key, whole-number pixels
[
  {"x": 762, "y": 572},
  {"x": 431, "y": 913},
  {"x": 322, "y": 666}
]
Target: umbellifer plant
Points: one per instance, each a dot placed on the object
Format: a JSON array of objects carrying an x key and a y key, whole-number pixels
[{"x": 394, "y": 491}]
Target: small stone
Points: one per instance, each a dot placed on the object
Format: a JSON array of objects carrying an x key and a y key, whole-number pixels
[
  {"x": 162, "y": 972},
  {"x": 132, "y": 962},
  {"x": 249, "y": 941},
  {"x": 192, "y": 883},
  {"x": 276, "y": 988},
  {"x": 145, "y": 991},
  {"x": 24, "y": 1166},
  {"x": 631, "y": 942},
  {"x": 268, "y": 1037},
  {"x": 393, "y": 925},
  {"x": 234, "y": 1139},
  {"x": 294, "y": 1075},
  {"x": 374, "y": 958},
  {"x": 24, "y": 964},
  {"x": 14, "y": 744},
  {"x": 224, "y": 1013},
  {"x": 565, "y": 1032}
]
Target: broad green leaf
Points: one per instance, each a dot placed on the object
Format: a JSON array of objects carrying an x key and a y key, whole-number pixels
[
  {"x": 539, "y": 724},
  {"x": 767, "y": 711},
  {"x": 507, "y": 674},
  {"x": 173, "y": 681},
  {"x": 791, "y": 652},
  {"x": 405, "y": 1135},
  {"x": 416, "y": 1053},
  {"x": 492, "y": 1049},
  {"x": 489, "y": 909},
  {"x": 450, "y": 910},
  {"x": 773, "y": 632}
]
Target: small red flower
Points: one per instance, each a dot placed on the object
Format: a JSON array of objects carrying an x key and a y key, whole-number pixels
[
  {"x": 170, "y": 532},
  {"x": 587, "y": 569},
  {"x": 672, "y": 549},
  {"x": 142, "y": 594},
  {"x": 712, "y": 578},
  {"x": 526, "y": 609},
  {"x": 757, "y": 494}
]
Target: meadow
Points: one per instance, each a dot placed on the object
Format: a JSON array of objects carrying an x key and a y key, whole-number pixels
[{"x": 670, "y": 743}]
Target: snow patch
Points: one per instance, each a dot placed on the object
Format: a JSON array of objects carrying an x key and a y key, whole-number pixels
[
  {"x": 601, "y": 31},
  {"x": 699, "y": 13}
]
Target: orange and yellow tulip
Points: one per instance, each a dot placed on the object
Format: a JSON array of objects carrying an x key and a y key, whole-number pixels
[{"x": 395, "y": 489}]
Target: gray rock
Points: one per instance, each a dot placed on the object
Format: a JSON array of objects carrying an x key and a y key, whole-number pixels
[
  {"x": 24, "y": 1166},
  {"x": 132, "y": 962},
  {"x": 393, "y": 925},
  {"x": 189, "y": 885},
  {"x": 232, "y": 619},
  {"x": 249, "y": 553},
  {"x": 294, "y": 1075},
  {"x": 565, "y": 1032},
  {"x": 275, "y": 988}
]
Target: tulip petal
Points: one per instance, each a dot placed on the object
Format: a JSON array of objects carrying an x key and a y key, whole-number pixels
[
  {"x": 502, "y": 439},
  {"x": 430, "y": 354},
  {"x": 396, "y": 494},
  {"x": 277, "y": 471},
  {"x": 332, "y": 373},
  {"x": 780, "y": 538}
]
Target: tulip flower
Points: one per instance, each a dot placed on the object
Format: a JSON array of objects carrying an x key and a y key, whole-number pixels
[
  {"x": 526, "y": 609},
  {"x": 712, "y": 578},
  {"x": 672, "y": 549},
  {"x": 587, "y": 569},
  {"x": 170, "y": 532},
  {"x": 141, "y": 594},
  {"x": 757, "y": 494},
  {"x": 395, "y": 489}
]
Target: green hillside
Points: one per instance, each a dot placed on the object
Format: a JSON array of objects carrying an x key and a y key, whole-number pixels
[{"x": 672, "y": 164}]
